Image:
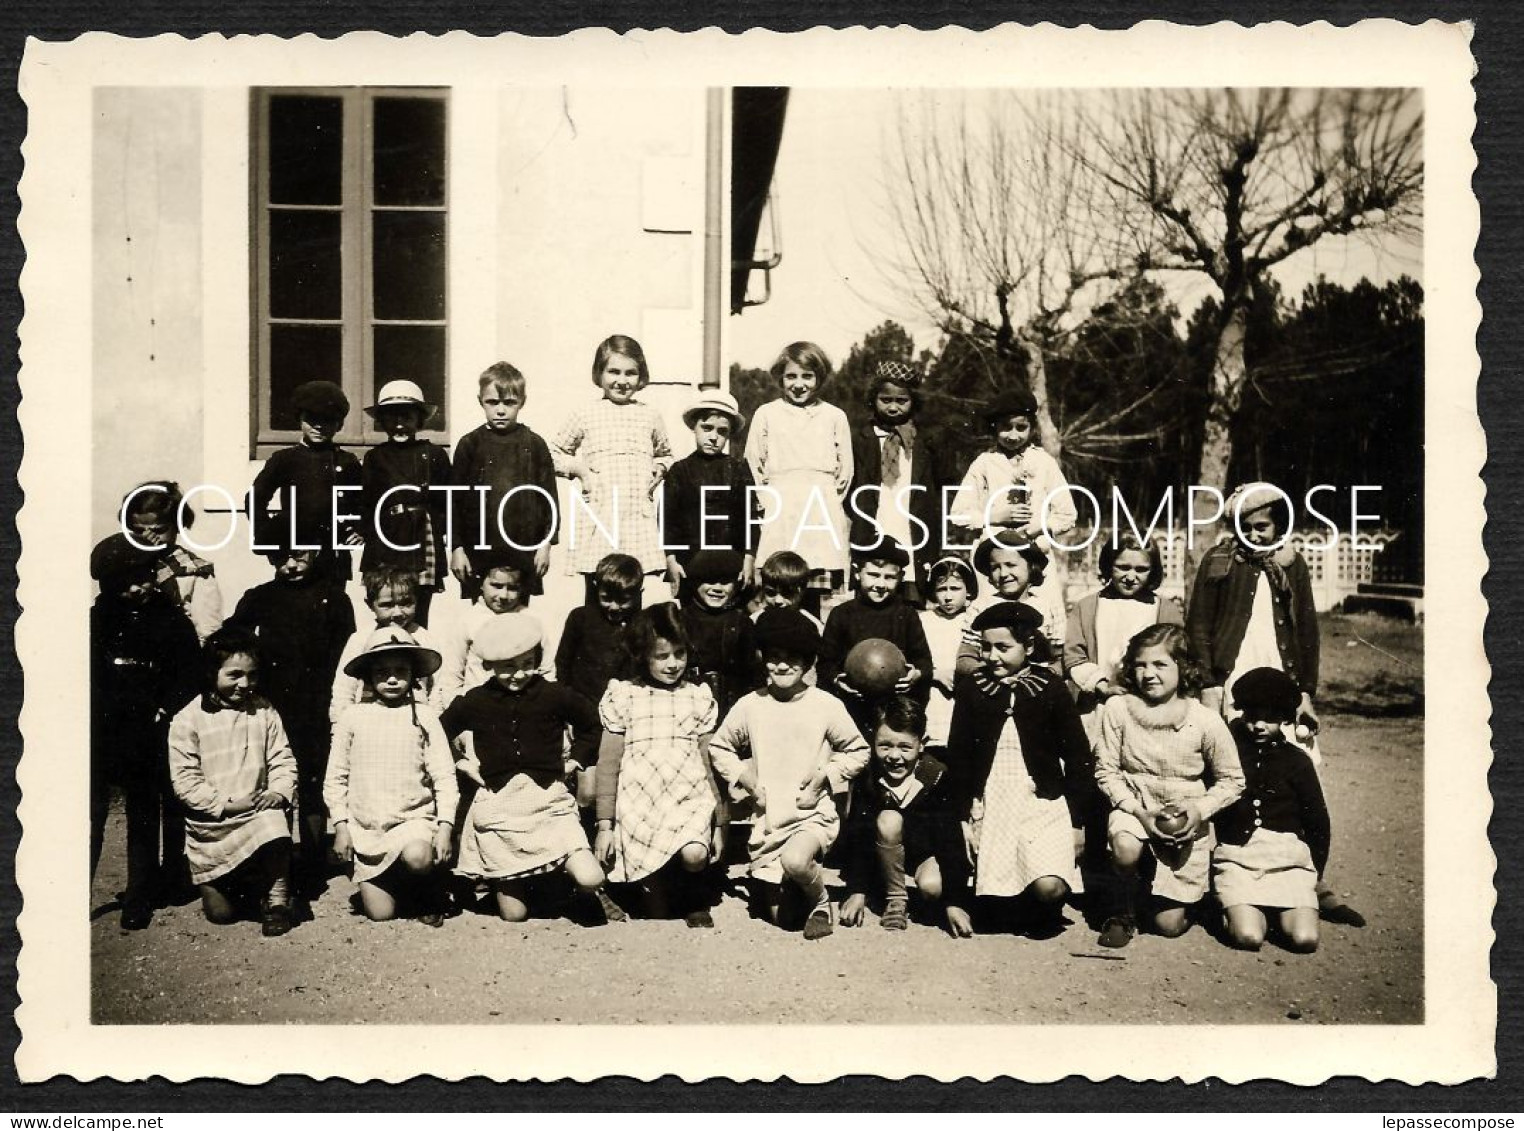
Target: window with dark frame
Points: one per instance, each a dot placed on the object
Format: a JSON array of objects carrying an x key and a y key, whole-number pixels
[{"x": 350, "y": 217}]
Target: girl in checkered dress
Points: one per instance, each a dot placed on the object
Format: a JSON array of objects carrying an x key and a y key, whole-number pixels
[
  {"x": 617, "y": 450},
  {"x": 657, "y": 801},
  {"x": 1167, "y": 765}
]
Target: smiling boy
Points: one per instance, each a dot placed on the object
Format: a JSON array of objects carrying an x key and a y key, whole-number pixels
[{"x": 903, "y": 820}]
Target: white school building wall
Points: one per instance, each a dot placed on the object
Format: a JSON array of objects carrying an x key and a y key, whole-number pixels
[{"x": 574, "y": 213}]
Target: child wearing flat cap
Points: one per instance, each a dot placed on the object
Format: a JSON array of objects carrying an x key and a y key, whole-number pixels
[
  {"x": 805, "y": 749},
  {"x": 1272, "y": 843},
  {"x": 303, "y": 479},
  {"x": 509, "y": 734}
]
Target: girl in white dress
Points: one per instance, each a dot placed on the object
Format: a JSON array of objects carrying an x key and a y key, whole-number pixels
[
  {"x": 954, "y": 585},
  {"x": 656, "y": 794},
  {"x": 390, "y": 787},
  {"x": 800, "y": 449},
  {"x": 1018, "y": 490},
  {"x": 233, "y": 770}
]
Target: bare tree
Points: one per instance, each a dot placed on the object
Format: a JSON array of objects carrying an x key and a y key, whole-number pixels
[
  {"x": 1228, "y": 183},
  {"x": 1000, "y": 243}
]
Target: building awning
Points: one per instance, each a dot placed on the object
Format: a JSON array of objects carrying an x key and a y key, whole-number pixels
[{"x": 756, "y": 132}]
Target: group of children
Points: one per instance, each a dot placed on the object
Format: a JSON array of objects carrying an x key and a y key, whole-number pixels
[{"x": 1022, "y": 749}]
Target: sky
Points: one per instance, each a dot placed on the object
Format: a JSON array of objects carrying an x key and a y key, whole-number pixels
[{"x": 834, "y": 284}]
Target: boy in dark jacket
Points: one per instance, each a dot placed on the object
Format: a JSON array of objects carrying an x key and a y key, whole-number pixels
[
  {"x": 304, "y": 480},
  {"x": 904, "y": 818},
  {"x": 876, "y": 611},
  {"x": 722, "y": 655},
  {"x": 144, "y": 666}
]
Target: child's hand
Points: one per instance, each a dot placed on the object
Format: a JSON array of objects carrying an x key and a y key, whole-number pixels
[
  {"x": 911, "y": 677},
  {"x": 460, "y": 564},
  {"x": 747, "y": 778},
  {"x": 851, "y": 913},
  {"x": 542, "y": 560},
  {"x": 1306, "y": 716},
  {"x": 243, "y": 803},
  {"x": 808, "y": 796},
  {"x": 717, "y": 838},
  {"x": 1194, "y": 821},
  {"x": 342, "y": 846},
  {"x": 811, "y": 790},
  {"x": 842, "y": 684},
  {"x": 470, "y": 768},
  {"x": 603, "y": 846},
  {"x": 959, "y": 925},
  {"x": 442, "y": 837},
  {"x": 266, "y": 799}
]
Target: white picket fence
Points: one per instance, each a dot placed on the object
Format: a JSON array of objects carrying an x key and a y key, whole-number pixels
[{"x": 1336, "y": 572}]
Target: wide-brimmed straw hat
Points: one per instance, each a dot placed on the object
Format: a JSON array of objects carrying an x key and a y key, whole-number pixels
[
  {"x": 400, "y": 394},
  {"x": 393, "y": 641},
  {"x": 714, "y": 400}
]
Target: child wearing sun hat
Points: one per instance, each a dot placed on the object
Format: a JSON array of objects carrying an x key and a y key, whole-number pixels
[
  {"x": 404, "y": 521},
  {"x": 709, "y": 496},
  {"x": 390, "y": 787}
]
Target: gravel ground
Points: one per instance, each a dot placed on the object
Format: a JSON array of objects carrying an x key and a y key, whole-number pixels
[{"x": 338, "y": 967}]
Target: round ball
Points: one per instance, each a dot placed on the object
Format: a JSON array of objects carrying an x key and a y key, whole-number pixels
[
  {"x": 1302, "y": 731},
  {"x": 1172, "y": 820},
  {"x": 874, "y": 666}
]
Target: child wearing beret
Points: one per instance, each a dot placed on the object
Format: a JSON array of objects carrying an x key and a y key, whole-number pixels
[
  {"x": 805, "y": 749},
  {"x": 1272, "y": 843},
  {"x": 509, "y": 733}
]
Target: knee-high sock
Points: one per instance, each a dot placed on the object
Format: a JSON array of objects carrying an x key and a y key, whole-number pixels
[{"x": 891, "y": 862}]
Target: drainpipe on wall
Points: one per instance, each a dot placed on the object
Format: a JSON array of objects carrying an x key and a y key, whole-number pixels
[{"x": 714, "y": 247}]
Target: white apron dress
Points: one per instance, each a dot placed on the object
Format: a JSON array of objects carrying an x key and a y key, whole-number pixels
[{"x": 217, "y": 755}]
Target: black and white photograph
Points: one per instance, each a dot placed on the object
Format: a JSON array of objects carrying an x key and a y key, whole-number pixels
[{"x": 623, "y": 531}]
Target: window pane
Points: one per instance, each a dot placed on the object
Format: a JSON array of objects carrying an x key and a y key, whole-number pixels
[
  {"x": 306, "y": 271},
  {"x": 409, "y": 265},
  {"x": 298, "y": 354},
  {"x": 306, "y": 149},
  {"x": 409, "y": 151},
  {"x": 413, "y": 353}
]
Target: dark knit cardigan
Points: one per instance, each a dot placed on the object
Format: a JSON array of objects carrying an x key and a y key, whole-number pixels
[{"x": 1053, "y": 742}]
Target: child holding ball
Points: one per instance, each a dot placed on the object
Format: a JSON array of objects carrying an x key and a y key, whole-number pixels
[{"x": 1167, "y": 765}]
